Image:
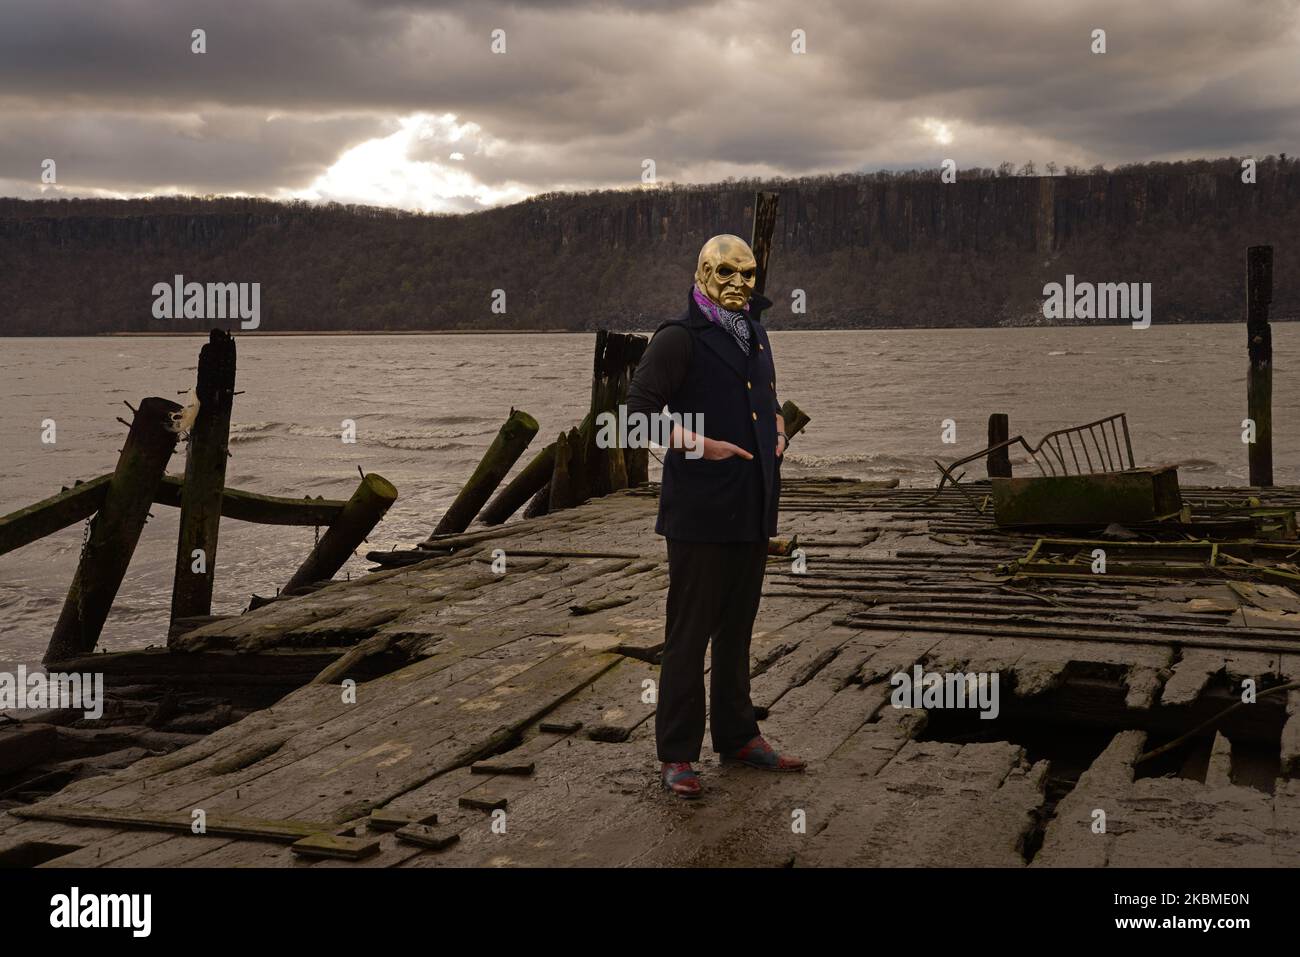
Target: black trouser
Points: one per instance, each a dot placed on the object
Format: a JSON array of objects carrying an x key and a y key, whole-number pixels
[{"x": 713, "y": 593}]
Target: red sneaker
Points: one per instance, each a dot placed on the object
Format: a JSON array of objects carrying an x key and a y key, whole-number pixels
[
  {"x": 680, "y": 778},
  {"x": 759, "y": 754}
]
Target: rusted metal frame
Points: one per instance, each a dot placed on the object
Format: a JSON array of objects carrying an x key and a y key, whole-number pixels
[
  {"x": 1049, "y": 446},
  {"x": 1073, "y": 454}
]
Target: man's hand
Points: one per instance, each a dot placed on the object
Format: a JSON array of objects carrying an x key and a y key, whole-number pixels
[
  {"x": 711, "y": 449},
  {"x": 715, "y": 449},
  {"x": 780, "y": 446}
]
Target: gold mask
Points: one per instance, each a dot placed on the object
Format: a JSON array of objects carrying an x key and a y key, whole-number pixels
[{"x": 726, "y": 271}]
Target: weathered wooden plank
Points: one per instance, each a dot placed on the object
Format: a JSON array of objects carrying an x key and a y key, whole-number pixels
[{"x": 219, "y": 825}]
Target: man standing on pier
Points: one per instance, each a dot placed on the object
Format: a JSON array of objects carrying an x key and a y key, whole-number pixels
[{"x": 716, "y": 510}]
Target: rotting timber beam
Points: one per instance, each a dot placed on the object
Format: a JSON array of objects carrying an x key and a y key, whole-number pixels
[
  {"x": 1096, "y": 498},
  {"x": 50, "y": 515},
  {"x": 84, "y": 499},
  {"x": 260, "y": 509}
]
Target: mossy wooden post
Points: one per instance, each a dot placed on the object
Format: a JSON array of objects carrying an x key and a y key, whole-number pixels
[
  {"x": 561, "y": 484},
  {"x": 365, "y": 508},
  {"x": 998, "y": 461},
  {"x": 579, "y": 487},
  {"x": 795, "y": 419},
  {"x": 521, "y": 488},
  {"x": 541, "y": 502},
  {"x": 616, "y": 466},
  {"x": 1259, "y": 378},
  {"x": 205, "y": 479},
  {"x": 115, "y": 530},
  {"x": 514, "y": 437},
  {"x": 531, "y": 480}
]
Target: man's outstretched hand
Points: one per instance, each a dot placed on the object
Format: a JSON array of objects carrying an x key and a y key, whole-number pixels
[
  {"x": 711, "y": 449},
  {"x": 717, "y": 449}
]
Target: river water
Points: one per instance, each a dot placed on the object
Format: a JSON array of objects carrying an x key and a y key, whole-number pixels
[{"x": 426, "y": 407}]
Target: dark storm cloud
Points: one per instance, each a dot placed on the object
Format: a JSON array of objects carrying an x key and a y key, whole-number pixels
[
  {"x": 588, "y": 90},
  {"x": 227, "y": 151}
]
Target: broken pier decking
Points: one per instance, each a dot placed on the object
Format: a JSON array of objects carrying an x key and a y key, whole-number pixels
[{"x": 546, "y": 664}]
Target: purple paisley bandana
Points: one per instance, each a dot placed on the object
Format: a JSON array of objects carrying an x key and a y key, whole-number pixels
[{"x": 733, "y": 322}]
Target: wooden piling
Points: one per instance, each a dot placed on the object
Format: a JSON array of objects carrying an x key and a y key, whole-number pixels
[
  {"x": 999, "y": 461},
  {"x": 765, "y": 204},
  {"x": 795, "y": 419},
  {"x": 521, "y": 488},
  {"x": 205, "y": 478},
  {"x": 638, "y": 466},
  {"x": 616, "y": 468},
  {"x": 541, "y": 502},
  {"x": 1259, "y": 377},
  {"x": 514, "y": 437},
  {"x": 607, "y": 359},
  {"x": 530, "y": 481},
  {"x": 365, "y": 508},
  {"x": 115, "y": 530},
  {"x": 561, "y": 484}
]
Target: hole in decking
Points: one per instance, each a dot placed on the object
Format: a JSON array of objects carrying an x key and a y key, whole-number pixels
[
  {"x": 35, "y": 853},
  {"x": 1070, "y": 725}
]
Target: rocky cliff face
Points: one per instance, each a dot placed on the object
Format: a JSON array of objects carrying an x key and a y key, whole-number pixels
[{"x": 862, "y": 251}]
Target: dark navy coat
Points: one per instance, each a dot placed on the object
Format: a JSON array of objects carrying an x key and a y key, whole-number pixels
[{"x": 732, "y": 499}]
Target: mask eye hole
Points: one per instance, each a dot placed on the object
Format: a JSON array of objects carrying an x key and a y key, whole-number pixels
[
  {"x": 747, "y": 275},
  {"x": 725, "y": 272}
]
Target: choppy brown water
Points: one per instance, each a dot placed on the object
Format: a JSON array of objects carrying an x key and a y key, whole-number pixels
[{"x": 427, "y": 406}]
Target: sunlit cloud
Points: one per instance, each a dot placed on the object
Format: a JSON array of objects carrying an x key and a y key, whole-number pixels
[
  {"x": 939, "y": 130},
  {"x": 403, "y": 169}
]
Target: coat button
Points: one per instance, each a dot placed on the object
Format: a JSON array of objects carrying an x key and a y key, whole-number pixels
[
  {"x": 749, "y": 385},
  {"x": 755, "y": 415}
]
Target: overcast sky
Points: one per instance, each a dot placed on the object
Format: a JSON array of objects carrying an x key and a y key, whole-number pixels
[{"x": 404, "y": 102}]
